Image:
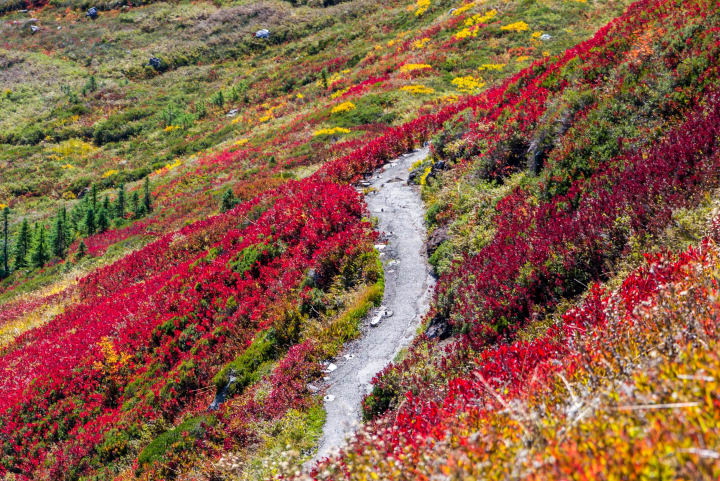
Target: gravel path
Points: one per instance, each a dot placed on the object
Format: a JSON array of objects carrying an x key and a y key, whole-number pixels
[{"x": 408, "y": 287}]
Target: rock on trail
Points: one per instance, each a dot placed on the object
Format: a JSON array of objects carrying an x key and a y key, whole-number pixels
[{"x": 389, "y": 328}]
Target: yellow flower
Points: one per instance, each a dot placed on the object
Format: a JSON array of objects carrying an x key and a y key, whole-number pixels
[
  {"x": 110, "y": 173},
  {"x": 478, "y": 19},
  {"x": 343, "y": 107},
  {"x": 421, "y": 6},
  {"x": 418, "y": 89},
  {"x": 523, "y": 58},
  {"x": 170, "y": 128},
  {"x": 468, "y": 84},
  {"x": 422, "y": 43},
  {"x": 463, "y": 9},
  {"x": 339, "y": 93},
  {"x": 2, "y": 206},
  {"x": 268, "y": 115},
  {"x": 68, "y": 195},
  {"x": 300, "y": 96},
  {"x": 67, "y": 166},
  {"x": 536, "y": 35},
  {"x": 491, "y": 66},
  {"x": 516, "y": 27},
  {"x": 242, "y": 142},
  {"x": 409, "y": 67},
  {"x": 331, "y": 131}
]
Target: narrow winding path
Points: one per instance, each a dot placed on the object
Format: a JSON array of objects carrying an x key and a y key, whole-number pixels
[{"x": 408, "y": 286}]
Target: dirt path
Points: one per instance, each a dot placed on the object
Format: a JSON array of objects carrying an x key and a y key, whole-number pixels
[{"x": 408, "y": 284}]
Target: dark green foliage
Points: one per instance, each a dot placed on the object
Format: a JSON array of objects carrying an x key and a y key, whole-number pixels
[
  {"x": 194, "y": 427},
  {"x": 90, "y": 225},
  {"x": 228, "y": 201},
  {"x": 59, "y": 240},
  {"x": 93, "y": 196},
  {"x": 4, "y": 262},
  {"x": 82, "y": 250},
  {"x": 218, "y": 99},
  {"x": 102, "y": 220},
  {"x": 147, "y": 199},
  {"x": 120, "y": 202},
  {"x": 39, "y": 255},
  {"x": 246, "y": 367},
  {"x": 22, "y": 246},
  {"x": 135, "y": 203}
]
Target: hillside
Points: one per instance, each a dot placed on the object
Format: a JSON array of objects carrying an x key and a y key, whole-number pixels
[{"x": 189, "y": 245}]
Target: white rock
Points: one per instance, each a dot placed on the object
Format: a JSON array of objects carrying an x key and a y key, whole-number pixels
[
  {"x": 331, "y": 367},
  {"x": 329, "y": 398}
]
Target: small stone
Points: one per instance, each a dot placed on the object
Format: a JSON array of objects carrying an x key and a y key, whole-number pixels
[
  {"x": 388, "y": 313},
  {"x": 330, "y": 367},
  {"x": 312, "y": 387},
  {"x": 349, "y": 356},
  {"x": 329, "y": 398}
]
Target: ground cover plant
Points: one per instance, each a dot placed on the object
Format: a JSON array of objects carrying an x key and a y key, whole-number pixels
[{"x": 182, "y": 248}]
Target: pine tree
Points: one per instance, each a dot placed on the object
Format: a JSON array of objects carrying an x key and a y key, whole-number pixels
[
  {"x": 90, "y": 222},
  {"x": 324, "y": 78},
  {"x": 39, "y": 254},
  {"x": 5, "y": 267},
  {"x": 228, "y": 201},
  {"x": 135, "y": 204},
  {"x": 102, "y": 220},
  {"x": 120, "y": 203},
  {"x": 106, "y": 204},
  {"x": 59, "y": 239},
  {"x": 81, "y": 251},
  {"x": 22, "y": 245},
  {"x": 147, "y": 199},
  {"x": 93, "y": 196}
]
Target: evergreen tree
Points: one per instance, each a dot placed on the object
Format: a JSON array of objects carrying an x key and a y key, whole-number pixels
[
  {"x": 147, "y": 199},
  {"x": 81, "y": 251},
  {"x": 324, "y": 78},
  {"x": 5, "y": 267},
  {"x": 135, "y": 204},
  {"x": 102, "y": 220},
  {"x": 59, "y": 238},
  {"x": 90, "y": 222},
  {"x": 120, "y": 203},
  {"x": 39, "y": 255},
  {"x": 106, "y": 204},
  {"x": 228, "y": 201},
  {"x": 93, "y": 196},
  {"x": 22, "y": 245}
]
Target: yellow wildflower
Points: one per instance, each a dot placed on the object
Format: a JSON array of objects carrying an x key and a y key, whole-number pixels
[
  {"x": 418, "y": 89},
  {"x": 516, "y": 27},
  {"x": 242, "y": 142},
  {"x": 67, "y": 166},
  {"x": 463, "y": 9},
  {"x": 409, "y": 67},
  {"x": 421, "y": 43},
  {"x": 536, "y": 35},
  {"x": 343, "y": 107},
  {"x": 170, "y": 128},
  {"x": 331, "y": 131},
  {"x": 110, "y": 173},
  {"x": 300, "y": 96},
  {"x": 468, "y": 84},
  {"x": 422, "y": 6},
  {"x": 339, "y": 93},
  {"x": 2, "y": 206},
  {"x": 491, "y": 66}
]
